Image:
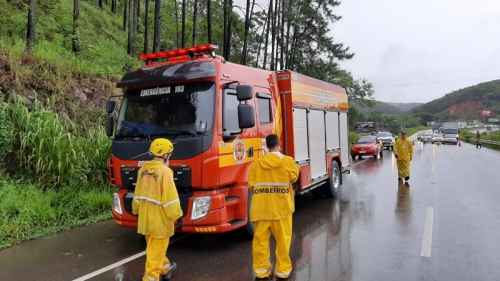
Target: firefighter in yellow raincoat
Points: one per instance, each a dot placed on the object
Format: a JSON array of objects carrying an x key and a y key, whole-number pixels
[
  {"x": 403, "y": 151},
  {"x": 271, "y": 210},
  {"x": 157, "y": 203}
]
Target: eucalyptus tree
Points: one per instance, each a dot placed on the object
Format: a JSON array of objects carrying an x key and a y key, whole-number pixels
[
  {"x": 157, "y": 26},
  {"x": 30, "y": 36}
]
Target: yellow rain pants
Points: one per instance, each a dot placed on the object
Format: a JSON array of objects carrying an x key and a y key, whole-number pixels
[
  {"x": 156, "y": 261},
  {"x": 282, "y": 232},
  {"x": 403, "y": 168}
]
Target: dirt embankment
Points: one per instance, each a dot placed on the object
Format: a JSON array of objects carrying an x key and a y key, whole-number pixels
[{"x": 464, "y": 108}]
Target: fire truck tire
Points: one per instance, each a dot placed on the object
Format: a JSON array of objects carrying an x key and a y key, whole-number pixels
[
  {"x": 246, "y": 232},
  {"x": 331, "y": 187}
]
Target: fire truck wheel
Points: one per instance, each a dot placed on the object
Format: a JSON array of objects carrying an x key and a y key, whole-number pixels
[
  {"x": 330, "y": 188},
  {"x": 246, "y": 232}
]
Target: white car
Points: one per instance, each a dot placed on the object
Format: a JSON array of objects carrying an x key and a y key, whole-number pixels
[
  {"x": 437, "y": 138},
  {"x": 386, "y": 138}
]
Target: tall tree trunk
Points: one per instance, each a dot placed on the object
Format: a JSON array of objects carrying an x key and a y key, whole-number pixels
[
  {"x": 125, "y": 14},
  {"x": 229, "y": 26},
  {"x": 287, "y": 46},
  {"x": 282, "y": 47},
  {"x": 269, "y": 15},
  {"x": 183, "y": 33},
  {"x": 30, "y": 34},
  {"x": 195, "y": 14},
  {"x": 131, "y": 27},
  {"x": 146, "y": 28},
  {"x": 245, "y": 37},
  {"x": 260, "y": 44},
  {"x": 113, "y": 7},
  {"x": 137, "y": 15},
  {"x": 157, "y": 27},
  {"x": 76, "y": 15},
  {"x": 273, "y": 35},
  {"x": 209, "y": 22},
  {"x": 176, "y": 25},
  {"x": 224, "y": 53},
  {"x": 101, "y": 4}
]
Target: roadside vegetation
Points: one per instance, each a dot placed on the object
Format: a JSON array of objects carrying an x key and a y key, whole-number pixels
[
  {"x": 470, "y": 137},
  {"x": 60, "y": 177}
]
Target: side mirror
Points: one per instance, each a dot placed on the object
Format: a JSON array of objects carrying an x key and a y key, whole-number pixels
[
  {"x": 246, "y": 116},
  {"x": 110, "y": 123},
  {"x": 244, "y": 92},
  {"x": 110, "y": 106}
]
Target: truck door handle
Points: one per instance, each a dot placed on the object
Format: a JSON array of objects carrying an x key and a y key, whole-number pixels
[{"x": 250, "y": 152}]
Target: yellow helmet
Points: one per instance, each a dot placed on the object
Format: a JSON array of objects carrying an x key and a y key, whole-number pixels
[{"x": 160, "y": 147}]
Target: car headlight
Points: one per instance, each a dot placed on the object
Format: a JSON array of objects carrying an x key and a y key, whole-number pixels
[
  {"x": 201, "y": 205},
  {"x": 117, "y": 205}
]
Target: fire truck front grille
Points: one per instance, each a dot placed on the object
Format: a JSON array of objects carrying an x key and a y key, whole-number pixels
[{"x": 182, "y": 177}]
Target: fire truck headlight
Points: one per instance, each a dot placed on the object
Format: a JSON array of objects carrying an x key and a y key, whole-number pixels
[
  {"x": 201, "y": 205},
  {"x": 117, "y": 204}
]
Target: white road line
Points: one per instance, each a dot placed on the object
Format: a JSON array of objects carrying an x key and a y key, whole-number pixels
[
  {"x": 427, "y": 240},
  {"x": 124, "y": 261}
]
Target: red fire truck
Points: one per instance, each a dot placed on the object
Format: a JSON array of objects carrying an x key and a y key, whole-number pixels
[{"x": 218, "y": 114}]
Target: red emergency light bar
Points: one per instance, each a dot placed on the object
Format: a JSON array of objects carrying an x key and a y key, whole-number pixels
[{"x": 180, "y": 52}]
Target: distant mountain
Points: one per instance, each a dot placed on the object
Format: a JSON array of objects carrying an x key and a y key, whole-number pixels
[
  {"x": 405, "y": 106},
  {"x": 382, "y": 107},
  {"x": 465, "y": 102}
]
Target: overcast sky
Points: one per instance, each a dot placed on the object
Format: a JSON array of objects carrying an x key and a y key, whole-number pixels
[{"x": 418, "y": 51}]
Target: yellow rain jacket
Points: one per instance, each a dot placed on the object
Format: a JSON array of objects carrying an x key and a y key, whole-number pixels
[
  {"x": 270, "y": 179},
  {"x": 156, "y": 200},
  {"x": 404, "y": 149}
]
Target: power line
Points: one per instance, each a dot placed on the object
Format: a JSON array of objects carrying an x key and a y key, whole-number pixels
[{"x": 436, "y": 82}]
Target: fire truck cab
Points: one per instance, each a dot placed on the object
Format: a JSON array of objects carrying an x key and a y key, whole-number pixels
[{"x": 218, "y": 114}]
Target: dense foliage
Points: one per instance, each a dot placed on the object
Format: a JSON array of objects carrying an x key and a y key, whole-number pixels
[{"x": 488, "y": 93}]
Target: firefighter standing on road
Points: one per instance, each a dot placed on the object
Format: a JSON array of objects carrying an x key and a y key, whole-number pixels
[
  {"x": 478, "y": 138},
  {"x": 157, "y": 203},
  {"x": 271, "y": 210},
  {"x": 403, "y": 151}
]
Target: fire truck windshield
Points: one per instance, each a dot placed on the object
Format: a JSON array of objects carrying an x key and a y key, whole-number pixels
[{"x": 180, "y": 109}]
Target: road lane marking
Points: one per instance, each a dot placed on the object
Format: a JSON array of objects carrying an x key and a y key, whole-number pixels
[
  {"x": 124, "y": 261},
  {"x": 427, "y": 240}
]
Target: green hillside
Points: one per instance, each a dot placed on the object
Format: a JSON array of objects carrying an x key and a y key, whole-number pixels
[
  {"x": 488, "y": 94},
  {"x": 381, "y": 107},
  {"x": 405, "y": 106}
]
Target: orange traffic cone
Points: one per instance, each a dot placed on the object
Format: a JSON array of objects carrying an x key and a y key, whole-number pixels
[
  {"x": 413, "y": 143},
  {"x": 439, "y": 143},
  {"x": 459, "y": 143}
]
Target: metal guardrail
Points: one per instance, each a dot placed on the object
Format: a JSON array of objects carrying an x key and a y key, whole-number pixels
[{"x": 483, "y": 141}]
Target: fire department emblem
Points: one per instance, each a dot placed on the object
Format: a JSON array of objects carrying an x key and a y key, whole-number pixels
[{"x": 239, "y": 151}]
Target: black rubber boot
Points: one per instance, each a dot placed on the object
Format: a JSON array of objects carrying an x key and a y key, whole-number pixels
[
  {"x": 168, "y": 276},
  {"x": 400, "y": 179},
  {"x": 407, "y": 178}
]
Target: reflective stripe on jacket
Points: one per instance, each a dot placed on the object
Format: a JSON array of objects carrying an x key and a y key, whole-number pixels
[
  {"x": 156, "y": 200},
  {"x": 270, "y": 179}
]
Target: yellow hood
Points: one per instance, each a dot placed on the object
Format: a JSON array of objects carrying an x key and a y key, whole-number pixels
[
  {"x": 271, "y": 160},
  {"x": 152, "y": 166}
]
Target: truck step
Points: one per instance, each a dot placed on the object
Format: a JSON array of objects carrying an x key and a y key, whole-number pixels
[
  {"x": 234, "y": 222},
  {"x": 231, "y": 198}
]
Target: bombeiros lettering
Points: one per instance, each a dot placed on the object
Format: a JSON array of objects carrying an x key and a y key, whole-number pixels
[
  {"x": 273, "y": 190},
  {"x": 323, "y": 97}
]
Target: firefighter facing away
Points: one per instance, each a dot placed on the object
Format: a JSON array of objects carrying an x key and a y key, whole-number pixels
[
  {"x": 270, "y": 178},
  {"x": 157, "y": 203},
  {"x": 403, "y": 151}
]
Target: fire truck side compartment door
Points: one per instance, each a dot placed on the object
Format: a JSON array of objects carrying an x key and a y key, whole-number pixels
[
  {"x": 344, "y": 139},
  {"x": 332, "y": 131},
  {"x": 317, "y": 146},
  {"x": 300, "y": 134}
]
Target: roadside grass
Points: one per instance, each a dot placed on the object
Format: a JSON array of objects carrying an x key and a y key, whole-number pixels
[
  {"x": 27, "y": 212},
  {"x": 470, "y": 137},
  {"x": 54, "y": 151}
]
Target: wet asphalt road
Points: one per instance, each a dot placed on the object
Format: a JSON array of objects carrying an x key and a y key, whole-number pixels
[{"x": 375, "y": 230}]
